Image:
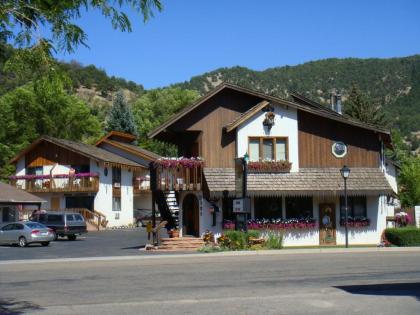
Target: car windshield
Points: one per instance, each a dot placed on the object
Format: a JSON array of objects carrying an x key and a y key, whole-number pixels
[{"x": 35, "y": 225}]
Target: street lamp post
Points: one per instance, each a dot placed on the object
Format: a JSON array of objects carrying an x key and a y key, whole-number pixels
[{"x": 345, "y": 172}]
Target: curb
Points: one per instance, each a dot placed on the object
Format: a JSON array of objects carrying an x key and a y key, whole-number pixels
[{"x": 219, "y": 254}]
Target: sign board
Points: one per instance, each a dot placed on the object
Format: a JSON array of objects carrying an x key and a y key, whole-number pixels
[
  {"x": 417, "y": 215},
  {"x": 239, "y": 177},
  {"x": 242, "y": 205}
]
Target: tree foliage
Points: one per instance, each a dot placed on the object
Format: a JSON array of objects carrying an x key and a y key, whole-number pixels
[
  {"x": 23, "y": 20},
  {"x": 120, "y": 116},
  {"x": 156, "y": 106},
  {"x": 43, "y": 107},
  {"x": 358, "y": 106},
  {"x": 409, "y": 181}
]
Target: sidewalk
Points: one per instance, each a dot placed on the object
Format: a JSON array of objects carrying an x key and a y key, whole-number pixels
[{"x": 223, "y": 254}]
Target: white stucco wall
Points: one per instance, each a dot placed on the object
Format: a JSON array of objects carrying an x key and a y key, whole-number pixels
[
  {"x": 103, "y": 198},
  {"x": 143, "y": 201},
  {"x": 285, "y": 125},
  {"x": 391, "y": 176},
  {"x": 376, "y": 212},
  {"x": 205, "y": 217},
  {"x": 126, "y": 215}
]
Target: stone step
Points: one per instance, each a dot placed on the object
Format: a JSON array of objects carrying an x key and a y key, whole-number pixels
[{"x": 186, "y": 238}]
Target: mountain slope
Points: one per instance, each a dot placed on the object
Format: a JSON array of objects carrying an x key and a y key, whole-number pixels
[{"x": 394, "y": 83}]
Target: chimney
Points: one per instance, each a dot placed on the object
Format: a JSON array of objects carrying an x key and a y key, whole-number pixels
[
  {"x": 338, "y": 103},
  {"x": 332, "y": 99},
  {"x": 335, "y": 101}
]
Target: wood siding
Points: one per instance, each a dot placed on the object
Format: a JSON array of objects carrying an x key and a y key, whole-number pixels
[
  {"x": 47, "y": 153},
  {"x": 317, "y": 134},
  {"x": 217, "y": 147}
]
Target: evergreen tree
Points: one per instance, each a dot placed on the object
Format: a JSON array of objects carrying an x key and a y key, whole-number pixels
[
  {"x": 358, "y": 106},
  {"x": 121, "y": 117}
]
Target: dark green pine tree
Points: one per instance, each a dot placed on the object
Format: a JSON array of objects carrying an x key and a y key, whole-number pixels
[
  {"x": 120, "y": 117},
  {"x": 359, "y": 106}
]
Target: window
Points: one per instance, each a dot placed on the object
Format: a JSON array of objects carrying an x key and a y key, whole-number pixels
[
  {"x": 69, "y": 217},
  {"x": 356, "y": 207},
  {"x": 18, "y": 226},
  {"x": 81, "y": 168},
  {"x": 8, "y": 227},
  {"x": 78, "y": 218},
  {"x": 268, "y": 208},
  {"x": 116, "y": 177},
  {"x": 8, "y": 214},
  {"x": 116, "y": 204},
  {"x": 267, "y": 148},
  {"x": 55, "y": 218},
  {"x": 299, "y": 207},
  {"x": 34, "y": 225},
  {"x": 227, "y": 205},
  {"x": 38, "y": 170}
]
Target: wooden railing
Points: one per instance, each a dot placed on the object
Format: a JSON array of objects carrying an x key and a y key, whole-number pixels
[
  {"x": 96, "y": 218},
  {"x": 60, "y": 183},
  {"x": 141, "y": 184},
  {"x": 179, "y": 177}
]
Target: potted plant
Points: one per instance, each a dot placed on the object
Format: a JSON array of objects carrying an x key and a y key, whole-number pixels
[{"x": 173, "y": 233}]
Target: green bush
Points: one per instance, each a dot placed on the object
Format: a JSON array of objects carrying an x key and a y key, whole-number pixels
[
  {"x": 252, "y": 234},
  {"x": 406, "y": 236},
  {"x": 274, "y": 240},
  {"x": 238, "y": 240}
]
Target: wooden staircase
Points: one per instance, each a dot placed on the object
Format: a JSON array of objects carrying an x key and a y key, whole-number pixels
[{"x": 181, "y": 244}]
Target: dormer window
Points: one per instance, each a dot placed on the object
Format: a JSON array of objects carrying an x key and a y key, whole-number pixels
[{"x": 268, "y": 148}]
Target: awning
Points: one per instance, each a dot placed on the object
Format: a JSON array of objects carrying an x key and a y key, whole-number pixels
[{"x": 306, "y": 182}]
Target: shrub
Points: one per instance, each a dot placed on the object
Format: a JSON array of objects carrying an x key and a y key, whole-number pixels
[
  {"x": 252, "y": 234},
  {"x": 406, "y": 236},
  {"x": 274, "y": 240},
  {"x": 238, "y": 240}
]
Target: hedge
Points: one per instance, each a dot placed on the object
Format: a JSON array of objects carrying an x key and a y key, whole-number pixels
[{"x": 406, "y": 236}]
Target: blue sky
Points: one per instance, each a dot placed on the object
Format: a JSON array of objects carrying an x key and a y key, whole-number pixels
[{"x": 191, "y": 37}]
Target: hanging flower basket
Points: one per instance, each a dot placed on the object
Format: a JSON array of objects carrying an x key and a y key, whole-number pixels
[
  {"x": 269, "y": 167},
  {"x": 179, "y": 162},
  {"x": 269, "y": 119}
]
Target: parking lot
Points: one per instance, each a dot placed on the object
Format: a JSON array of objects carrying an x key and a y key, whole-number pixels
[{"x": 92, "y": 244}]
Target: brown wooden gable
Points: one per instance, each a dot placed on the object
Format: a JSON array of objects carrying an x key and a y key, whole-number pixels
[
  {"x": 47, "y": 153},
  {"x": 317, "y": 134},
  {"x": 204, "y": 126}
]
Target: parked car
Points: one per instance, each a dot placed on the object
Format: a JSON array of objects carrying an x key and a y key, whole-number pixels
[
  {"x": 24, "y": 233},
  {"x": 142, "y": 216},
  {"x": 63, "y": 223}
]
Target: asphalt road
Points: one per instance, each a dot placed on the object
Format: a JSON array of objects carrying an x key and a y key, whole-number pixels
[
  {"x": 93, "y": 244},
  {"x": 338, "y": 283}
]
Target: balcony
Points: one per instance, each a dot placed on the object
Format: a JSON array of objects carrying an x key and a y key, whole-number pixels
[
  {"x": 179, "y": 174},
  {"x": 82, "y": 182},
  {"x": 141, "y": 184}
]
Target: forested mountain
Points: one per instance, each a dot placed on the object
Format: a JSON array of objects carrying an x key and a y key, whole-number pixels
[{"x": 392, "y": 83}]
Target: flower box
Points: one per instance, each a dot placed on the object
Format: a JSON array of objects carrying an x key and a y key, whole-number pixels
[
  {"x": 269, "y": 167},
  {"x": 355, "y": 222}
]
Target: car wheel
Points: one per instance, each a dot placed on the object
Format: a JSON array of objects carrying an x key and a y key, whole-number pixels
[
  {"x": 45, "y": 243},
  {"x": 71, "y": 237},
  {"x": 22, "y": 242}
]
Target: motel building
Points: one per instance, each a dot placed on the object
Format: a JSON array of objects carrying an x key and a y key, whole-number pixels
[{"x": 295, "y": 149}]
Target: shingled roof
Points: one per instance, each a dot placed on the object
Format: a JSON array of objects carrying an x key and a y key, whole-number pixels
[
  {"x": 87, "y": 150},
  {"x": 12, "y": 195},
  {"x": 306, "y": 182}
]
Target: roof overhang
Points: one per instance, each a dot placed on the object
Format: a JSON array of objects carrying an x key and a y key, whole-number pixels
[{"x": 316, "y": 110}]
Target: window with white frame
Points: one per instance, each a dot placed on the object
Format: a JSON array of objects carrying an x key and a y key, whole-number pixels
[{"x": 268, "y": 148}]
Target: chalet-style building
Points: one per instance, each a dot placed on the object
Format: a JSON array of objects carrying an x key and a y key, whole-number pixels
[
  {"x": 106, "y": 182},
  {"x": 296, "y": 150}
]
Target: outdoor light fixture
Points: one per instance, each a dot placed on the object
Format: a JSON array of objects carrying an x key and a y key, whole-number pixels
[
  {"x": 246, "y": 157},
  {"x": 345, "y": 173}
]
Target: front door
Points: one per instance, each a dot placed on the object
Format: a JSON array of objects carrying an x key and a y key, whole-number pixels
[
  {"x": 190, "y": 217},
  {"x": 55, "y": 202},
  {"x": 327, "y": 232}
]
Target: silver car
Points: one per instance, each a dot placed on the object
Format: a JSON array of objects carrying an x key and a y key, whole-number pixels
[{"x": 24, "y": 233}]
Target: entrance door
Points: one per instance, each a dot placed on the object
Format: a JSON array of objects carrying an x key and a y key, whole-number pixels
[
  {"x": 327, "y": 232},
  {"x": 80, "y": 202},
  {"x": 55, "y": 203},
  {"x": 190, "y": 216}
]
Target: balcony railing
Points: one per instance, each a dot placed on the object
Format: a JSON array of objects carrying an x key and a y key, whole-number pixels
[
  {"x": 141, "y": 184},
  {"x": 179, "y": 174},
  {"x": 82, "y": 182}
]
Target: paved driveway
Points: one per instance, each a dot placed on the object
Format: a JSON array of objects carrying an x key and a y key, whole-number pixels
[{"x": 93, "y": 244}]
